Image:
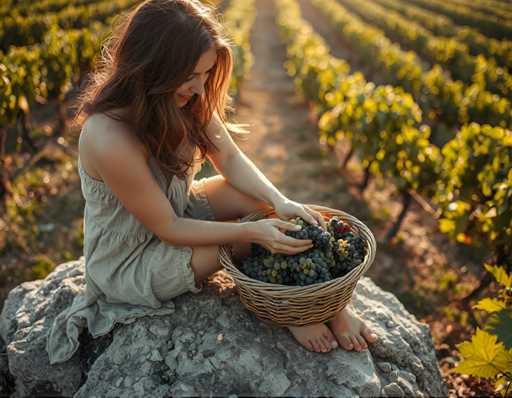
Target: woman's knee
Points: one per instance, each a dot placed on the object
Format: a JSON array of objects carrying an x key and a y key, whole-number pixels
[
  {"x": 228, "y": 202},
  {"x": 204, "y": 262},
  {"x": 205, "y": 259}
]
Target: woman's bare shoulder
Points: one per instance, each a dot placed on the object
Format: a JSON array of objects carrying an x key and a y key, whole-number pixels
[{"x": 102, "y": 131}]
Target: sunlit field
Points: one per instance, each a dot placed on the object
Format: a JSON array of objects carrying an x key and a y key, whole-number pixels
[{"x": 407, "y": 125}]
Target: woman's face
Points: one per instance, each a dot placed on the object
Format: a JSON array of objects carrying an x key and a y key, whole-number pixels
[{"x": 196, "y": 81}]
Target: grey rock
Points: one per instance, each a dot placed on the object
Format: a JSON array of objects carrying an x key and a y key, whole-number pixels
[
  {"x": 155, "y": 356},
  {"x": 211, "y": 345},
  {"x": 406, "y": 386},
  {"x": 390, "y": 324},
  {"x": 384, "y": 367},
  {"x": 393, "y": 390},
  {"x": 407, "y": 376}
]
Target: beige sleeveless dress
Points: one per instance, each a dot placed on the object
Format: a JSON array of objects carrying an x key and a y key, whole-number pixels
[{"x": 129, "y": 272}]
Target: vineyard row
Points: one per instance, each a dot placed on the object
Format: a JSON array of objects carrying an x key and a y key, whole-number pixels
[
  {"x": 469, "y": 178},
  {"x": 441, "y": 99}
]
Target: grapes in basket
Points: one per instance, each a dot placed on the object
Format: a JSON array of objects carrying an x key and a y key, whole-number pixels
[{"x": 336, "y": 251}]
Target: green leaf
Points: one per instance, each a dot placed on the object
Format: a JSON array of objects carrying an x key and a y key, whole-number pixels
[{"x": 500, "y": 324}]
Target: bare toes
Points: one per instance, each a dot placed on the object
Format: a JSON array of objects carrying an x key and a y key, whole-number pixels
[
  {"x": 325, "y": 344},
  {"x": 346, "y": 343},
  {"x": 320, "y": 344},
  {"x": 314, "y": 343},
  {"x": 354, "y": 341},
  {"x": 362, "y": 342},
  {"x": 309, "y": 345},
  {"x": 331, "y": 340},
  {"x": 369, "y": 335}
]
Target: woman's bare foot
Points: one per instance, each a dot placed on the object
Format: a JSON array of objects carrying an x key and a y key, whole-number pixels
[
  {"x": 350, "y": 331},
  {"x": 316, "y": 337}
]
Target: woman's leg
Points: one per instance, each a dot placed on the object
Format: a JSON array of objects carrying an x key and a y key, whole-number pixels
[{"x": 229, "y": 204}]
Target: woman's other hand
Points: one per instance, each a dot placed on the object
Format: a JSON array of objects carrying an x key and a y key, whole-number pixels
[
  {"x": 269, "y": 233},
  {"x": 286, "y": 209}
]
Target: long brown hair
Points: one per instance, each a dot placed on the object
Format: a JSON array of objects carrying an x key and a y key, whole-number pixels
[{"x": 150, "y": 53}]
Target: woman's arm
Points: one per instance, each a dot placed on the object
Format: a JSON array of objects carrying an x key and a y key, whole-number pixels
[
  {"x": 183, "y": 231},
  {"x": 237, "y": 168},
  {"x": 243, "y": 174}
]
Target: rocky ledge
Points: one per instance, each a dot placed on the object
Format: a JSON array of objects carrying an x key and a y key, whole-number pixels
[{"x": 210, "y": 345}]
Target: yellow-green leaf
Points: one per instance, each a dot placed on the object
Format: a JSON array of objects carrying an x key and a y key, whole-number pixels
[
  {"x": 446, "y": 225},
  {"x": 500, "y": 384},
  {"x": 483, "y": 356},
  {"x": 490, "y": 305},
  {"x": 23, "y": 104},
  {"x": 500, "y": 275}
]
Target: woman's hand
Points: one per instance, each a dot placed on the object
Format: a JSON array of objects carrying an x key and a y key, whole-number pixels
[
  {"x": 268, "y": 232},
  {"x": 286, "y": 209}
]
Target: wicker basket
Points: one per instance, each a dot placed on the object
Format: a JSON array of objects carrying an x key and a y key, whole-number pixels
[{"x": 300, "y": 305}]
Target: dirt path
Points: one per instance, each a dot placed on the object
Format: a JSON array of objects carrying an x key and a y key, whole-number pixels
[{"x": 283, "y": 143}]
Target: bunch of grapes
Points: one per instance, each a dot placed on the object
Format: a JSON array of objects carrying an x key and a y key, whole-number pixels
[{"x": 335, "y": 252}]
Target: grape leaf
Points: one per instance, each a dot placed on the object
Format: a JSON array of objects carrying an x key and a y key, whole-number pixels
[
  {"x": 501, "y": 384},
  {"x": 500, "y": 324},
  {"x": 490, "y": 305},
  {"x": 483, "y": 356},
  {"x": 500, "y": 275}
]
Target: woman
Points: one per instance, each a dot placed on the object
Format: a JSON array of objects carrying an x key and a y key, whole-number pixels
[{"x": 151, "y": 114}]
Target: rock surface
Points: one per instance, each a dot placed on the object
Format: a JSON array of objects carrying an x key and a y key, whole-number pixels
[{"x": 211, "y": 345}]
